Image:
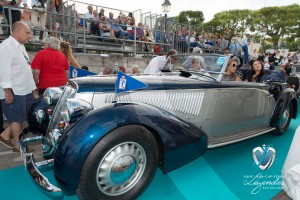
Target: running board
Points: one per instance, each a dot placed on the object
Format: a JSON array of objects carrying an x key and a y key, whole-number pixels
[{"x": 230, "y": 140}]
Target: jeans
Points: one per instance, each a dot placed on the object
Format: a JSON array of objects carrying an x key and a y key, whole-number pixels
[
  {"x": 95, "y": 28},
  {"x": 246, "y": 54},
  {"x": 119, "y": 34},
  {"x": 122, "y": 34},
  {"x": 130, "y": 36},
  {"x": 195, "y": 44}
]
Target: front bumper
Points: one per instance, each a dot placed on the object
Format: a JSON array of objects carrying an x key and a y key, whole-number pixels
[{"x": 32, "y": 166}]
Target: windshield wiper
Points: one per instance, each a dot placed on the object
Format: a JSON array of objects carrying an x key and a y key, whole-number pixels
[{"x": 185, "y": 73}]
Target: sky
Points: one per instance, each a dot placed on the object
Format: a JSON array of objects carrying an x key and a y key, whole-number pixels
[{"x": 209, "y": 8}]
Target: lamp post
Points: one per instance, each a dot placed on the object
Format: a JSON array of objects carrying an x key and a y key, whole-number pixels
[{"x": 166, "y": 8}]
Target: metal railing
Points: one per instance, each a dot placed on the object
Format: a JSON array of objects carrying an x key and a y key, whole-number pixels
[
  {"x": 79, "y": 37},
  {"x": 81, "y": 8}
]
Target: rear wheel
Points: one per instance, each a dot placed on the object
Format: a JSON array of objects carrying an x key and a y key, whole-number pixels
[
  {"x": 284, "y": 121},
  {"x": 120, "y": 166}
]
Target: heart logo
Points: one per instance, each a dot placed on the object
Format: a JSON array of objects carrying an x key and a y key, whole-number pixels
[{"x": 264, "y": 156}]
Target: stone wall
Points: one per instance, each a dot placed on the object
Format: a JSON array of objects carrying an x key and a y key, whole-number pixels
[{"x": 97, "y": 62}]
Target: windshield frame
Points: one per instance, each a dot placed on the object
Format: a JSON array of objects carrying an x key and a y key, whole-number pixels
[{"x": 218, "y": 75}]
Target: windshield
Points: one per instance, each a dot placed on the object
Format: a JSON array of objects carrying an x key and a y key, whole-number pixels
[{"x": 208, "y": 64}]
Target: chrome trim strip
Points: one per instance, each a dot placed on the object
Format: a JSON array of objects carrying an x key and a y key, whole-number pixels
[
  {"x": 32, "y": 167},
  {"x": 212, "y": 145},
  {"x": 45, "y": 163}
]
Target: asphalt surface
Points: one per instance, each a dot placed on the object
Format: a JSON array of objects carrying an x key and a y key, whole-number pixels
[{"x": 11, "y": 159}]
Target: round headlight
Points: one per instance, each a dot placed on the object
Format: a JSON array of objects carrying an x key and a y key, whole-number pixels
[
  {"x": 51, "y": 95},
  {"x": 40, "y": 115},
  {"x": 74, "y": 109}
]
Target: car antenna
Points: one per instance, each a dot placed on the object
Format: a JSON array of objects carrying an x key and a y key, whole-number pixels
[{"x": 116, "y": 69}]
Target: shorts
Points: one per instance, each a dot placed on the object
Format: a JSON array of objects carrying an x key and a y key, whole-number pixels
[{"x": 18, "y": 110}]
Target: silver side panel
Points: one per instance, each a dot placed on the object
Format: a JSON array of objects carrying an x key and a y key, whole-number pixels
[
  {"x": 190, "y": 105},
  {"x": 220, "y": 113}
]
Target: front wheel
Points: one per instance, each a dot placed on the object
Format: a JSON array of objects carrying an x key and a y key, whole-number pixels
[
  {"x": 284, "y": 121},
  {"x": 120, "y": 166}
]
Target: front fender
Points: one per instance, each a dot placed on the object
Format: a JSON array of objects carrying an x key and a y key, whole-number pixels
[
  {"x": 181, "y": 141},
  {"x": 288, "y": 96},
  {"x": 33, "y": 124}
]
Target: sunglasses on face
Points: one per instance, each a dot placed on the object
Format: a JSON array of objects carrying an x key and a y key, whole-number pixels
[{"x": 234, "y": 65}]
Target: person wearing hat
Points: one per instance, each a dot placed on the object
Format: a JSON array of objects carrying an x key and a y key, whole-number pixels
[{"x": 245, "y": 48}]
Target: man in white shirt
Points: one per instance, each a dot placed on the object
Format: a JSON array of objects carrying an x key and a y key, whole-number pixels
[
  {"x": 88, "y": 17},
  {"x": 245, "y": 48},
  {"x": 16, "y": 82},
  {"x": 159, "y": 62}
]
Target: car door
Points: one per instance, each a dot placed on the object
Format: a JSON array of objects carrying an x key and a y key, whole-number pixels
[{"x": 241, "y": 109}]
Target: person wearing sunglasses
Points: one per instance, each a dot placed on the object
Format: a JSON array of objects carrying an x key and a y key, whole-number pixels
[{"x": 230, "y": 74}]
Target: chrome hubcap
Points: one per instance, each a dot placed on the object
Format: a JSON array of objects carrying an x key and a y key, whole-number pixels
[
  {"x": 121, "y": 168},
  {"x": 284, "y": 118}
]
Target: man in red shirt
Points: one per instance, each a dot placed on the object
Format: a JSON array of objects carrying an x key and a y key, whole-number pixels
[{"x": 50, "y": 66}]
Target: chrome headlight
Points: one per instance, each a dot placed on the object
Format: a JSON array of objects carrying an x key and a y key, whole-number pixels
[
  {"x": 51, "y": 95},
  {"x": 40, "y": 115},
  {"x": 74, "y": 109}
]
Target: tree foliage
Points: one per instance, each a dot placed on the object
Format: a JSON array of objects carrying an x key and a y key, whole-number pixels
[
  {"x": 196, "y": 17},
  {"x": 233, "y": 21},
  {"x": 277, "y": 22}
]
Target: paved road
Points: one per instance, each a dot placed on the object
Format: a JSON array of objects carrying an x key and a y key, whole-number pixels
[{"x": 11, "y": 159}]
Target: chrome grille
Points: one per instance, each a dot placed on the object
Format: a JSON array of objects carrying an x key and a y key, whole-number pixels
[
  {"x": 68, "y": 92},
  {"x": 186, "y": 102}
]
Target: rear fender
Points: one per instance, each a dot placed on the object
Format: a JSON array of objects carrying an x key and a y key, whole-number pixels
[
  {"x": 182, "y": 142},
  {"x": 288, "y": 96}
]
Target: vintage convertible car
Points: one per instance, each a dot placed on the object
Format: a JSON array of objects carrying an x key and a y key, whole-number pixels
[{"x": 108, "y": 145}]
